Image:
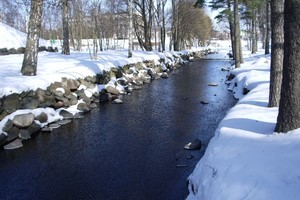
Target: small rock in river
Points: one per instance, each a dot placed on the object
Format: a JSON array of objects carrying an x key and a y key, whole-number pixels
[
  {"x": 117, "y": 101},
  {"x": 195, "y": 144},
  {"x": 179, "y": 166},
  {"x": 14, "y": 145},
  {"x": 46, "y": 129},
  {"x": 190, "y": 157},
  {"x": 212, "y": 84},
  {"x": 54, "y": 125},
  {"x": 63, "y": 122},
  {"x": 204, "y": 102}
]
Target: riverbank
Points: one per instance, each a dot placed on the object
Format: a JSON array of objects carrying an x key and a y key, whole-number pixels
[
  {"x": 68, "y": 85},
  {"x": 246, "y": 159}
]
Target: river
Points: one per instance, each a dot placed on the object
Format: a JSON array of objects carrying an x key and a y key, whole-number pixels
[{"x": 131, "y": 151}]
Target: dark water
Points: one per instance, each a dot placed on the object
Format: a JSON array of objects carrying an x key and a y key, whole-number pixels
[{"x": 127, "y": 151}]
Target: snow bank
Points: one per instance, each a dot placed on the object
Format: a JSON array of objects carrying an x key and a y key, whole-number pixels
[
  {"x": 12, "y": 38},
  {"x": 246, "y": 159}
]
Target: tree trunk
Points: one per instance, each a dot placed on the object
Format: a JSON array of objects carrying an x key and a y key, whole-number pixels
[
  {"x": 175, "y": 24},
  {"x": 277, "y": 34},
  {"x": 237, "y": 36},
  {"x": 29, "y": 65},
  {"x": 163, "y": 29},
  {"x": 130, "y": 32},
  {"x": 267, "y": 39},
  {"x": 231, "y": 28},
  {"x": 65, "y": 19},
  {"x": 253, "y": 34},
  {"x": 289, "y": 116}
]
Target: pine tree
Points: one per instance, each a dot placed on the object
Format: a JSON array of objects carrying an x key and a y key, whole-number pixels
[
  {"x": 289, "y": 107},
  {"x": 277, "y": 35}
]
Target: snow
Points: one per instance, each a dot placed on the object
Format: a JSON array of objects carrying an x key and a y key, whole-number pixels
[
  {"x": 12, "y": 38},
  {"x": 246, "y": 159},
  {"x": 53, "y": 66}
]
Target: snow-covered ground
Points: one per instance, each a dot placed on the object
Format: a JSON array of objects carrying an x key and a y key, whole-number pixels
[{"x": 246, "y": 159}]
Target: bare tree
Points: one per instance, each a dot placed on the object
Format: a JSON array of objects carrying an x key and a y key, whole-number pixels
[
  {"x": 65, "y": 20},
  {"x": 29, "y": 66},
  {"x": 143, "y": 22}
]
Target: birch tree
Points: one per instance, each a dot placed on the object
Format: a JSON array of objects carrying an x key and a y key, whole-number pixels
[{"x": 29, "y": 65}]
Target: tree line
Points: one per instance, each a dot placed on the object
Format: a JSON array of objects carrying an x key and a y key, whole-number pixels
[{"x": 281, "y": 19}]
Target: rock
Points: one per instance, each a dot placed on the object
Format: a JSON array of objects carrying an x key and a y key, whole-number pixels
[
  {"x": 14, "y": 145},
  {"x": 136, "y": 87},
  {"x": 34, "y": 128},
  {"x": 55, "y": 85},
  {"x": 195, "y": 144},
  {"x": 8, "y": 125},
  {"x": 180, "y": 166},
  {"x": 204, "y": 102},
  {"x": 73, "y": 101},
  {"x": 23, "y": 120},
  {"x": 112, "y": 90},
  {"x": 11, "y": 103},
  {"x": 86, "y": 100},
  {"x": 78, "y": 116},
  {"x": 53, "y": 125},
  {"x": 46, "y": 129},
  {"x": 83, "y": 107},
  {"x": 63, "y": 122},
  {"x": 58, "y": 104},
  {"x": 117, "y": 101},
  {"x": 48, "y": 101},
  {"x": 24, "y": 134},
  {"x": 13, "y": 133},
  {"x": 95, "y": 99},
  {"x": 212, "y": 84},
  {"x": 138, "y": 82},
  {"x": 104, "y": 97},
  {"x": 30, "y": 103},
  {"x": 189, "y": 157},
  {"x": 72, "y": 84},
  {"x": 43, "y": 117},
  {"x": 65, "y": 114},
  {"x": 3, "y": 138},
  {"x": 164, "y": 75},
  {"x": 93, "y": 105}
]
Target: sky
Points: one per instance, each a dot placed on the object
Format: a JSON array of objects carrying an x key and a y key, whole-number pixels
[{"x": 244, "y": 160}]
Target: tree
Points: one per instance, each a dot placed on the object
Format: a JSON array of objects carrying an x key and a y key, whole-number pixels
[
  {"x": 66, "y": 35},
  {"x": 277, "y": 35},
  {"x": 130, "y": 44},
  {"x": 143, "y": 22},
  {"x": 226, "y": 14},
  {"x": 289, "y": 116},
  {"x": 267, "y": 39},
  {"x": 238, "y": 57},
  {"x": 29, "y": 66}
]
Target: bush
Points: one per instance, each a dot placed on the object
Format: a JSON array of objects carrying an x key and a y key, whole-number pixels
[
  {"x": 4, "y": 51},
  {"x": 12, "y": 51},
  {"x": 21, "y": 50},
  {"x": 42, "y": 48}
]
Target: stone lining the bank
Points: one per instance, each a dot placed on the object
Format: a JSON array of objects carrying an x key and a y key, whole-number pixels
[{"x": 81, "y": 94}]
